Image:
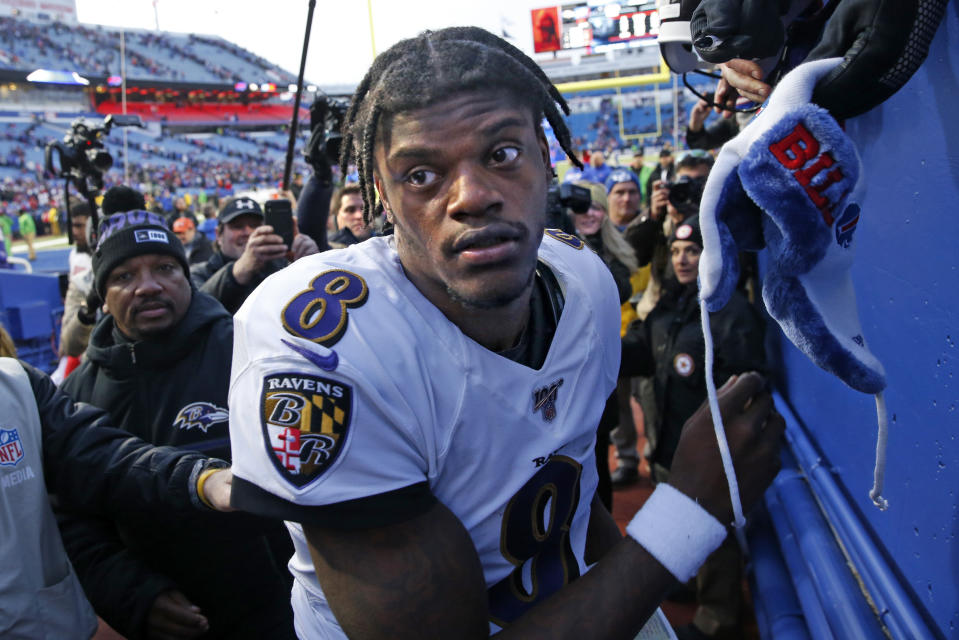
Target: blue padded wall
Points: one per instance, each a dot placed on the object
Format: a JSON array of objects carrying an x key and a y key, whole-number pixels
[{"x": 907, "y": 283}]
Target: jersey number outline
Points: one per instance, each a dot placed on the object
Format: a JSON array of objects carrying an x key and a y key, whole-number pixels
[
  {"x": 319, "y": 314},
  {"x": 568, "y": 239},
  {"x": 535, "y": 540}
]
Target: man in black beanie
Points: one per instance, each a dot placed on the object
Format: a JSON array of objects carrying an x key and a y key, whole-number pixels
[{"x": 159, "y": 364}]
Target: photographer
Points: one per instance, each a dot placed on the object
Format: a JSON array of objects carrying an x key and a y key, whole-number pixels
[
  {"x": 246, "y": 252},
  {"x": 322, "y": 152}
]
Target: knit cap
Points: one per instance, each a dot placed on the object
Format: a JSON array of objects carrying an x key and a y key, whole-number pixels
[
  {"x": 621, "y": 175},
  {"x": 791, "y": 182},
  {"x": 126, "y": 235}
]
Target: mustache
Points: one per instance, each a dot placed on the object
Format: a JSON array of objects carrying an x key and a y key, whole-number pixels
[
  {"x": 161, "y": 303},
  {"x": 488, "y": 234}
]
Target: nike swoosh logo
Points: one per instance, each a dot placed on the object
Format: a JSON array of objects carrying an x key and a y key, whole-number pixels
[{"x": 327, "y": 363}]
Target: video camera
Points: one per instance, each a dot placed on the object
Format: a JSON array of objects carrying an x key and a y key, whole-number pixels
[
  {"x": 561, "y": 197},
  {"x": 81, "y": 152},
  {"x": 323, "y": 149},
  {"x": 83, "y": 159}
]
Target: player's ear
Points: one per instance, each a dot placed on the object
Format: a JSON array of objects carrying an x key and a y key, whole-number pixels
[{"x": 382, "y": 194}]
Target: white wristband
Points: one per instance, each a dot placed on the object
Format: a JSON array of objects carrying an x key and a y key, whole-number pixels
[{"x": 676, "y": 531}]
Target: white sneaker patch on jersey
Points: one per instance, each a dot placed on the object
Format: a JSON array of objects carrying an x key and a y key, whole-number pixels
[{"x": 305, "y": 422}]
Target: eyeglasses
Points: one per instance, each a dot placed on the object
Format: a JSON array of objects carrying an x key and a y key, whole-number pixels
[{"x": 712, "y": 103}]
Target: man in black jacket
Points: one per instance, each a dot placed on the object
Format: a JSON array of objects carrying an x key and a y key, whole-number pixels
[
  {"x": 246, "y": 252},
  {"x": 159, "y": 363},
  {"x": 49, "y": 444},
  {"x": 669, "y": 346}
]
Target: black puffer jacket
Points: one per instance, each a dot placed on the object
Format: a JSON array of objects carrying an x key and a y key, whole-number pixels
[
  {"x": 669, "y": 346},
  {"x": 174, "y": 392}
]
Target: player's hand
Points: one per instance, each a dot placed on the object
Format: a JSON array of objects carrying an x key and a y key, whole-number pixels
[
  {"x": 754, "y": 431},
  {"x": 173, "y": 617},
  {"x": 217, "y": 489},
  {"x": 261, "y": 247},
  {"x": 697, "y": 115},
  {"x": 658, "y": 200},
  {"x": 740, "y": 78}
]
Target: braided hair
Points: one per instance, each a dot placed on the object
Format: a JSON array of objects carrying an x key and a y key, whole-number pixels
[{"x": 421, "y": 71}]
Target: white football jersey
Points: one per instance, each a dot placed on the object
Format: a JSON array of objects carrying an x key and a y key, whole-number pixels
[{"x": 347, "y": 383}]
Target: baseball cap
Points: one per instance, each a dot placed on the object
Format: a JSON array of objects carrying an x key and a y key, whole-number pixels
[
  {"x": 182, "y": 224},
  {"x": 239, "y": 207}
]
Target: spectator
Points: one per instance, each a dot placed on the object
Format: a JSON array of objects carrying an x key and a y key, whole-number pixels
[
  {"x": 662, "y": 173},
  {"x": 74, "y": 332},
  {"x": 28, "y": 231},
  {"x": 159, "y": 365},
  {"x": 598, "y": 170},
  {"x": 699, "y": 136},
  {"x": 49, "y": 444},
  {"x": 246, "y": 252},
  {"x": 7, "y": 348},
  {"x": 624, "y": 197},
  {"x": 347, "y": 204},
  {"x": 668, "y": 345},
  {"x": 198, "y": 248},
  {"x": 600, "y": 235},
  {"x": 6, "y": 229}
]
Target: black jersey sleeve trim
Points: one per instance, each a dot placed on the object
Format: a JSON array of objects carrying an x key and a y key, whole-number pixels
[{"x": 380, "y": 510}]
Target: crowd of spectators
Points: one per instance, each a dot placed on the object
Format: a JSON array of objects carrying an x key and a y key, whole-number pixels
[{"x": 151, "y": 55}]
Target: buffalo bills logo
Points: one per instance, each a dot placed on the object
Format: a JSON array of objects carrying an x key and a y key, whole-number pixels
[
  {"x": 200, "y": 415},
  {"x": 11, "y": 448},
  {"x": 545, "y": 400},
  {"x": 846, "y": 225}
]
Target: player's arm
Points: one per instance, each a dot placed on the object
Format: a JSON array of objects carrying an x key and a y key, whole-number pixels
[{"x": 423, "y": 575}]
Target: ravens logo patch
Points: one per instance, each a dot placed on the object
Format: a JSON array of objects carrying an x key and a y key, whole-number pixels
[{"x": 305, "y": 422}]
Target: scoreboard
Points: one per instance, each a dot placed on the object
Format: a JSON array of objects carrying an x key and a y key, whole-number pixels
[{"x": 596, "y": 24}]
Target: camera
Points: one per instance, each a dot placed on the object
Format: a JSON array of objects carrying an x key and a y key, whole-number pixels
[
  {"x": 83, "y": 160},
  {"x": 326, "y": 141},
  {"x": 81, "y": 153},
  {"x": 685, "y": 192},
  {"x": 561, "y": 197}
]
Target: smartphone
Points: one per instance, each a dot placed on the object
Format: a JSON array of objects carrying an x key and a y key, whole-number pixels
[{"x": 279, "y": 215}]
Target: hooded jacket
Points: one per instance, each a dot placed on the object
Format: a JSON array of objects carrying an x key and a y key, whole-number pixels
[
  {"x": 669, "y": 346},
  {"x": 173, "y": 391}
]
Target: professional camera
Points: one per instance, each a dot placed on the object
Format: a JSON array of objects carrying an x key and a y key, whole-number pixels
[
  {"x": 326, "y": 122},
  {"x": 561, "y": 197},
  {"x": 81, "y": 153},
  {"x": 83, "y": 159},
  {"x": 685, "y": 193}
]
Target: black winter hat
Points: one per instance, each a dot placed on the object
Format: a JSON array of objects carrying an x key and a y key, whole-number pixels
[
  {"x": 687, "y": 230},
  {"x": 127, "y": 235}
]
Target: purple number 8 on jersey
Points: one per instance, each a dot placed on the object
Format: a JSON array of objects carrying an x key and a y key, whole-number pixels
[{"x": 319, "y": 313}]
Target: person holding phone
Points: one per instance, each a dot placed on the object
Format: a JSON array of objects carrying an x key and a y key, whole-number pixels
[{"x": 248, "y": 249}]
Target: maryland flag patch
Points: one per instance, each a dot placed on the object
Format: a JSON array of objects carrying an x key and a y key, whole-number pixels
[{"x": 305, "y": 422}]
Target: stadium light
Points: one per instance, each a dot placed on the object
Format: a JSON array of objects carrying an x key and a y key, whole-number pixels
[
  {"x": 57, "y": 77},
  {"x": 254, "y": 86},
  {"x": 240, "y": 86}
]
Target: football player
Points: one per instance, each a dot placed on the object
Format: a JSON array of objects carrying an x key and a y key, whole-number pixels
[{"x": 421, "y": 408}]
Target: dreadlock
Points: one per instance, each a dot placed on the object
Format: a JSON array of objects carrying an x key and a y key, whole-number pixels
[{"x": 420, "y": 71}]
